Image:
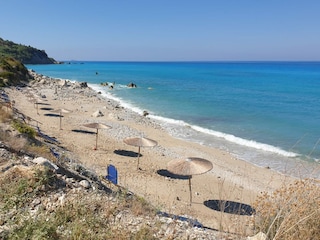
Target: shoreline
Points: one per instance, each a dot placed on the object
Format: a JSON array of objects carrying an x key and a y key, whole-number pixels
[
  {"x": 231, "y": 179},
  {"x": 273, "y": 157},
  {"x": 282, "y": 161},
  {"x": 259, "y": 130}
]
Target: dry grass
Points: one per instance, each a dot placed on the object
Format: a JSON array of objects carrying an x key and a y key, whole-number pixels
[
  {"x": 83, "y": 215},
  {"x": 20, "y": 185},
  {"x": 28, "y": 143},
  {"x": 5, "y": 114},
  {"x": 40, "y": 150},
  {"x": 292, "y": 212}
]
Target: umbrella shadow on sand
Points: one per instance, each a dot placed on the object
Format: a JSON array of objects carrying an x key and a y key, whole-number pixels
[
  {"x": 51, "y": 115},
  {"x": 83, "y": 131},
  {"x": 140, "y": 142},
  {"x": 230, "y": 207},
  {"x": 43, "y": 104},
  {"x": 46, "y": 108},
  {"x": 166, "y": 173},
  {"x": 127, "y": 153},
  {"x": 97, "y": 126}
]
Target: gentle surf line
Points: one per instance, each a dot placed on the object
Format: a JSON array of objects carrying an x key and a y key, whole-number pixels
[{"x": 229, "y": 137}]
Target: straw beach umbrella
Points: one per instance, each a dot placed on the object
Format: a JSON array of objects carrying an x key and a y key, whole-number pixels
[
  {"x": 61, "y": 111},
  {"x": 140, "y": 142},
  {"x": 97, "y": 126},
  {"x": 188, "y": 167}
]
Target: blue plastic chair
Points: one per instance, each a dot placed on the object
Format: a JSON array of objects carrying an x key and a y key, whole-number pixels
[{"x": 112, "y": 174}]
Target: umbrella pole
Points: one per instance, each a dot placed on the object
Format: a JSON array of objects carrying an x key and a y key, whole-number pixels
[
  {"x": 96, "y": 140},
  {"x": 138, "y": 158},
  {"x": 190, "y": 190},
  {"x": 60, "y": 121}
]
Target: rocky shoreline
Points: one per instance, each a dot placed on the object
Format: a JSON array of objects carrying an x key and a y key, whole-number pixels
[
  {"x": 77, "y": 182},
  {"x": 231, "y": 179}
]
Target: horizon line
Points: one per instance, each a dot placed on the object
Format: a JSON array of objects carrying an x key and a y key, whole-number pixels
[{"x": 193, "y": 61}]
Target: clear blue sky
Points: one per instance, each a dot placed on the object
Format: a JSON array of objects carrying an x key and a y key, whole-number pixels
[{"x": 165, "y": 30}]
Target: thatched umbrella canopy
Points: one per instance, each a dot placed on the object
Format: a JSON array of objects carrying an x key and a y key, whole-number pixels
[
  {"x": 140, "y": 142},
  {"x": 97, "y": 126},
  {"x": 188, "y": 167},
  {"x": 61, "y": 111}
]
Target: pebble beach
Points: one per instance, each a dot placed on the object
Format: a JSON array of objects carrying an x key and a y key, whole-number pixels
[{"x": 231, "y": 179}]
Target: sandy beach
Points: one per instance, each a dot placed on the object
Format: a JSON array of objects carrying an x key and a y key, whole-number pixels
[{"x": 230, "y": 179}]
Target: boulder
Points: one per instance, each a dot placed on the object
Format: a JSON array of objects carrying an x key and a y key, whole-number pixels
[
  {"x": 80, "y": 85},
  {"x": 132, "y": 85},
  {"x": 63, "y": 83},
  {"x": 83, "y": 84},
  {"x": 145, "y": 113},
  {"x": 85, "y": 184},
  {"x": 45, "y": 162},
  {"x": 97, "y": 113}
]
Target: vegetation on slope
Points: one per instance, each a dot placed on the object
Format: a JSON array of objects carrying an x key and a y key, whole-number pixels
[
  {"x": 12, "y": 72},
  {"x": 38, "y": 202},
  {"x": 24, "y": 54},
  {"x": 291, "y": 212}
]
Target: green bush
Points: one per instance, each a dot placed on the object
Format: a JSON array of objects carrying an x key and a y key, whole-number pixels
[{"x": 23, "y": 128}]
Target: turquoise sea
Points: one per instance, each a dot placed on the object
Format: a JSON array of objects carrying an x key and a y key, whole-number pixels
[{"x": 266, "y": 113}]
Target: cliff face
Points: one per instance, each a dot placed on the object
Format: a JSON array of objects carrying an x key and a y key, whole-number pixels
[{"x": 24, "y": 54}]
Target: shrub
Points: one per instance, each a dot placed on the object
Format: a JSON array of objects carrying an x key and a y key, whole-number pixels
[
  {"x": 19, "y": 186},
  {"x": 291, "y": 212},
  {"x": 23, "y": 128}
]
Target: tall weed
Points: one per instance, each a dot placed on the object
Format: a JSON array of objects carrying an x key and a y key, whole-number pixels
[{"x": 291, "y": 212}]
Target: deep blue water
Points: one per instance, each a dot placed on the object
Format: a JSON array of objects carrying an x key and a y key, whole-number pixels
[{"x": 267, "y": 113}]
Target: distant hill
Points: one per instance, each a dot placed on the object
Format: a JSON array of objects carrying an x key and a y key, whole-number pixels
[{"x": 24, "y": 54}]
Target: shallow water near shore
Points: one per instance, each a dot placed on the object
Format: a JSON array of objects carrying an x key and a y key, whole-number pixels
[{"x": 264, "y": 113}]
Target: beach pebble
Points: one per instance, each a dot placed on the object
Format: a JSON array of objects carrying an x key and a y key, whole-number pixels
[{"x": 85, "y": 184}]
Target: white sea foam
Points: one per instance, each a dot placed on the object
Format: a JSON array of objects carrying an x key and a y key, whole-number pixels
[
  {"x": 228, "y": 137},
  {"x": 169, "y": 120},
  {"x": 256, "y": 152},
  {"x": 245, "y": 142},
  {"x": 231, "y": 138},
  {"x": 109, "y": 95}
]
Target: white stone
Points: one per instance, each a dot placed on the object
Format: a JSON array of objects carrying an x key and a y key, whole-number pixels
[
  {"x": 85, "y": 184},
  {"x": 45, "y": 162},
  {"x": 97, "y": 113},
  {"x": 63, "y": 83}
]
